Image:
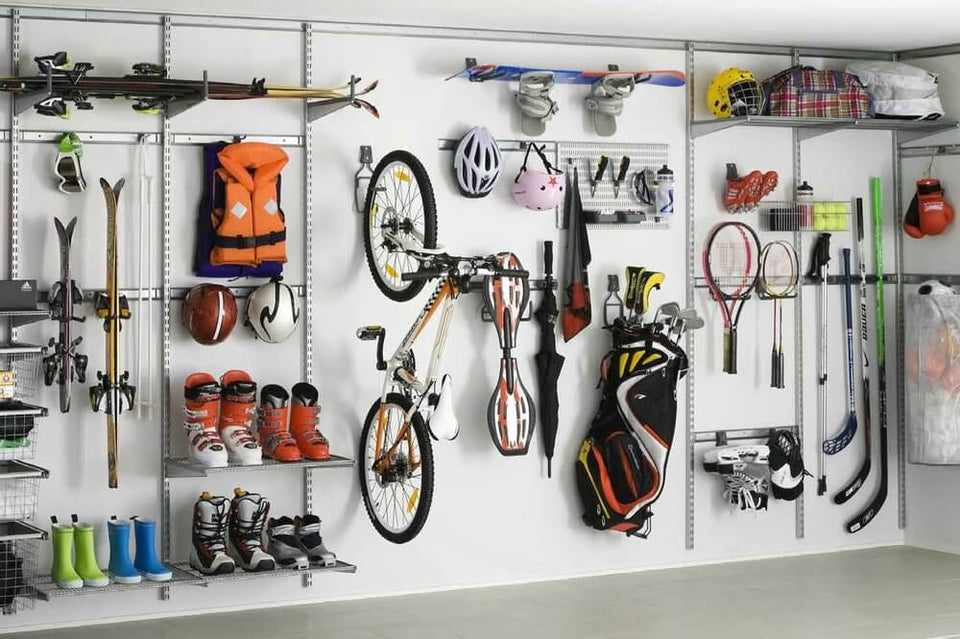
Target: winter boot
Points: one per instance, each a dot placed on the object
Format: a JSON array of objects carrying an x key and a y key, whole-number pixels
[
  {"x": 209, "y": 552},
  {"x": 248, "y": 516},
  {"x": 304, "y": 409},
  {"x": 201, "y": 404},
  {"x": 308, "y": 533},
  {"x": 63, "y": 571},
  {"x": 238, "y": 405},
  {"x": 86, "y": 563},
  {"x": 273, "y": 428},
  {"x": 284, "y": 545},
  {"x": 121, "y": 568},
  {"x": 146, "y": 561}
]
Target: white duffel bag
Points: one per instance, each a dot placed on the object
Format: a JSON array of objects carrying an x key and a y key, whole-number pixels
[{"x": 899, "y": 90}]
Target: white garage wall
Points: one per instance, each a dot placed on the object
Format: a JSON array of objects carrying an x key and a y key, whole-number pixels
[{"x": 494, "y": 520}]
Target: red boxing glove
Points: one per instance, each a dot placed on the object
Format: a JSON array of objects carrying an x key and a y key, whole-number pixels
[{"x": 929, "y": 212}]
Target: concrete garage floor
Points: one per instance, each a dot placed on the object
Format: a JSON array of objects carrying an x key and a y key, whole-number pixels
[{"x": 895, "y": 592}]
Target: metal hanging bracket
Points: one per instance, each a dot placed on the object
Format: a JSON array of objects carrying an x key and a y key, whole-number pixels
[
  {"x": 176, "y": 107},
  {"x": 361, "y": 179},
  {"x": 26, "y": 101},
  {"x": 322, "y": 108}
]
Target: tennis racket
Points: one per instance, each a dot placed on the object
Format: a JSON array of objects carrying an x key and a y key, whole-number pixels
[
  {"x": 731, "y": 267},
  {"x": 779, "y": 277}
]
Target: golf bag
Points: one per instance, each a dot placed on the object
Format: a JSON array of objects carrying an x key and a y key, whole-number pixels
[{"x": 622, "y": 461}]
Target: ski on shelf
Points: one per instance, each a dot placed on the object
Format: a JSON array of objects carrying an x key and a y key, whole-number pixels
[
  {"x": 151, "y": 91},
  {"x": 65, "y": 362},
  {"x": 112, "y": 394},
  {"x": 504, "y": 73}
]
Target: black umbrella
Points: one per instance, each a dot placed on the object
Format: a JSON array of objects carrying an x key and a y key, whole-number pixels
[{"x": 549, "y": 362}]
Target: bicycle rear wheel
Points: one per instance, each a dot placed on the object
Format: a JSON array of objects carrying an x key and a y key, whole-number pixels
[
  {"x": 398, "y": 497},
  {"x": 399, "y": 200}
]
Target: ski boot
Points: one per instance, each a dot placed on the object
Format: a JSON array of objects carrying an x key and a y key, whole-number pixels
[
  {"x": 86, "y": 564},
  {"x": 201, "y": 403},
  {"x": 304, "y": 409},
  {"x": 273, "y": 429},
  {"x": 248, "y": 516},
  {"x": 284, "y": 545},
  {"x": 209, "y": 553},
  {"x": 147, "y": 561},
  {"x": 308, "y": 534},
  {"x": 121, "y": 568},
  {"x": 237, "y": 407},
  {"x": 63, "y": 571}
]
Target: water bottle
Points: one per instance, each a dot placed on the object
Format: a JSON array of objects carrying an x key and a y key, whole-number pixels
[
  {"x": 805, "y": 211},
  {"x": 664, "y": 191}
]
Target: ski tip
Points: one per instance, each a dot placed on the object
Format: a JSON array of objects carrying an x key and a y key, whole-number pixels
[{"x": 118, "y": 186}]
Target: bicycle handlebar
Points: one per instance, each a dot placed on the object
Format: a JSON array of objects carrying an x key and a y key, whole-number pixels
[{"x": 434, "y": 273}]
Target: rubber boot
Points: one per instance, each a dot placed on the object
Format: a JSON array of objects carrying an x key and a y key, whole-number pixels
[
  {"x": 209, "y": 552},
  {"x": 63, "y": 571},
  {"x": 238, "y": 405},
  {"x": 201, "y": 407},
  {"x": 248, "y": 516},
  {"x": 272, "y": 427},
  {"x": 147, "y": 561},
  {"x": 86, "y": 563},
  {"x": 304, "y": 411},
  {"x": 121, "y": 568}
]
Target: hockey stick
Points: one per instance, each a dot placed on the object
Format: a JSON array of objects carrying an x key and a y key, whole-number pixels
[
  {"x": 843, "y": 439},
  {"x": 868, "y": 513},
  {"x": 820, "y": 259},
  {"x": 851, "y": 488}
]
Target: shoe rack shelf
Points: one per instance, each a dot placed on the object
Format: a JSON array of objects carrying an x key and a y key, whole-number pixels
[
  {"x": 811, "y": 127},
  {"x": 243, "y": 575},
  {"x": 184, "y": 467},
  {"x": 47, "y": 589}
]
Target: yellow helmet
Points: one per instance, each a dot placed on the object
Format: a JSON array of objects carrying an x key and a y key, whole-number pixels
[{"x": 734, "y": 92}]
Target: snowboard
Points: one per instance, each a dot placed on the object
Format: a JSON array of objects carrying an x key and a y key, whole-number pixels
[
  {"x": 65, "y": 362},
  {"x": 487, "y": 72},
  {"x": 151, "y": 91}
]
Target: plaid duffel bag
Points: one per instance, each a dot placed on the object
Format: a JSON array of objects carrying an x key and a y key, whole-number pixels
[{"x": 807, "y": 92}]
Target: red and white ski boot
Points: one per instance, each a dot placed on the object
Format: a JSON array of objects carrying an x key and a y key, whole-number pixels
[
  {"x": 209, "y": 553},
  {"x": 248, "y": 516},
  {"x": 237, "y": 408},
  {"x": 272, "y": 427},
  {"x": 201, "y": 405},
  {"x": 304, "y": 411}
]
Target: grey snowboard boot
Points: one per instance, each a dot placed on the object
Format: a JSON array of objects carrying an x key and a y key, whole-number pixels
[
  {"x": 283, "y": 544},
  {"x": 308, "y": 533}
]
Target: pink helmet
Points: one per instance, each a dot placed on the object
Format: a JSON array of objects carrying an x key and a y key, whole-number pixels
[{"x": 538, "y": 190}]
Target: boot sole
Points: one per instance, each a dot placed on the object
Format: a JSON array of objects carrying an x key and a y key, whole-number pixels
[{"x": 263, "y": 566}]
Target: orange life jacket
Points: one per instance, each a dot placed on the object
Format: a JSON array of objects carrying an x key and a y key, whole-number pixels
[{"x": 250, "y": 229}]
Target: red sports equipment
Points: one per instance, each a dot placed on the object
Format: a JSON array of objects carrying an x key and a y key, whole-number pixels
[
  {"x": 272, "y": 426},
  {"x": 929, "y": 213},
  {"x": 209, "y": 313},
  {"x": 304, "y": 413},
  {"x": 743, "y": 193}
]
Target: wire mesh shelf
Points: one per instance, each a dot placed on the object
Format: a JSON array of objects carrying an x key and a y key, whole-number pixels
[
  {"x": 47, "y": 588},
  {"x": 20, "y": 370},
  {"x": 805, "y": 216},
  {"x": 242, "y": 575},
  {"x": 18, "y": 432},
  {"x": 19, "y": 553},
  {"x": 186, "y": 467},
  {"x": 19, "y": 488}
]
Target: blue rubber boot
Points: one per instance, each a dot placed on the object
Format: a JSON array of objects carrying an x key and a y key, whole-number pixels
[
  {"x": 147, "y": 562},
  {"x": 121, "y": 569}
]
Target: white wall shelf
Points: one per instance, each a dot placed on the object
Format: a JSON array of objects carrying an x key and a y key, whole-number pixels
[
  {"x": 812, "y": 127},
  {"x": 183, "y": 467}
]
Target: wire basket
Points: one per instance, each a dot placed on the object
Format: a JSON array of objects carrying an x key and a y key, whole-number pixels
[
  {"x": 19, "y": 565},
  {"x": 804, "y": 216},
  {"x": 20, "y": 366},
  {"x": 18, "y": 432},
  {"x": 19, "y": 489}
]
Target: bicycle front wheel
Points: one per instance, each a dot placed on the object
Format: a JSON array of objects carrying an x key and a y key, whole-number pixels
[
  {"x": 397, "y": 485},
  {"x": 399, "y": 206}
]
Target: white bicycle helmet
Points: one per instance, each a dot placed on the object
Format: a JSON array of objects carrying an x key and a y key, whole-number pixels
[
  {"x": 477, "y": 162},
  {"x": 273, "y": 311}
]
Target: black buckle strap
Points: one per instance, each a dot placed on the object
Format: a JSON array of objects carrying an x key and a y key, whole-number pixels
[{"x": 241, "y": 242}]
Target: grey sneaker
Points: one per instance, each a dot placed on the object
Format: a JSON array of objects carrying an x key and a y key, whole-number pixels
[
  {"x": 284, "y": 546},
  {"x": 308, "y": 533}
]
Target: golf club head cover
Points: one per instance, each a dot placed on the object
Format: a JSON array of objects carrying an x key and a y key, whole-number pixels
[{"x": 929, "y": 212}]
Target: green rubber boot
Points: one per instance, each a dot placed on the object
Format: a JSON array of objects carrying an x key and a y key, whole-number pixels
[
  {"x": 86, "y": 564},
  {"x": 63, "y": 572}
]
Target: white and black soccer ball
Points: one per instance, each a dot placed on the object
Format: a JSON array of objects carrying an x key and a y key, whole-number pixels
[
  {"x": 935, "y": 287},
  {"x": 273, "y": 312}
]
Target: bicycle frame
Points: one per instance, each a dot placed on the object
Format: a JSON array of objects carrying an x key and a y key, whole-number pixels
[{"x": 398, "y": 375}]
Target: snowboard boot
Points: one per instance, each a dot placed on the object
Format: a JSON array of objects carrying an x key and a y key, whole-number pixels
[
  {"x": 63, "y": 572},
  {"x": 121, "y": 568},
  {"x": 284, "y": 545},
  {"x": 308, "y": 533},
  {"x": 304, "y": 410},
  {"x": 201, "y": 404},
  {"x": 248, "y": 516},
  {"x": 209, "y": 553},
  {"x": 86, "y": 563},
  {"x": 272, "y": 428},
  {"x": 147, "y": 561},
  {"x": 238, "y": 405}
]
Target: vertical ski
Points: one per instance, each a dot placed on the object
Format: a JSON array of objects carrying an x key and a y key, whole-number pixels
[
  {"x": 112, "y": 394},
  {"x": 65, "y": 363},
  {"x": 867, "y": 514}
]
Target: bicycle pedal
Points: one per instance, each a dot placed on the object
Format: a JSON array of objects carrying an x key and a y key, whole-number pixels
[{"x": 369, "y": 333}]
